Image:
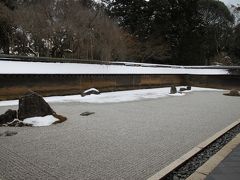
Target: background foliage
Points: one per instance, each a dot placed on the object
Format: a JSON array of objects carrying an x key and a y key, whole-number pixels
[{"x": 188, "y": 32}]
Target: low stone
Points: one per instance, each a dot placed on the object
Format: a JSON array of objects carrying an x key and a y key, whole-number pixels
[
  {"x": 182, "y": 89},
  {"x": 33, "y": 105},
  {"x": 9, "y": 133},
  {"x": 173, "y": 90},
  {"x": 17, "y": 123},
  {"x": 233, "y": 92},
  {"x": 90, "y": 92},
  {"x": 87, "y": 113},
  {"x": 14, "y": 123},
  {"x": 20, "y": 124},
  {"x": 8, "y": 116}
]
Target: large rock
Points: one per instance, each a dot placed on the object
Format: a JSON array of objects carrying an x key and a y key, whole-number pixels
[
  {"x": 8, "y": 116},
  {"x": 233, "y": 92},
  {"x": 173, "y": 90},
  {"x": 33, "y": 105}
]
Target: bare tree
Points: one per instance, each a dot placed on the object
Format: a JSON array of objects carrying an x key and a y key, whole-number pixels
[
  {"x": 6, "y": 28},
  {"x": 69, "y": 29}
]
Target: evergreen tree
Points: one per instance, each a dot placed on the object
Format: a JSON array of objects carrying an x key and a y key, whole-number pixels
[
  {"x": 183, "y": 25},
  {"x": 132, "y": 15},
  {"x": 218, "y": 24},
  {"x": 235, "y": 44},
  {"x": 171, "y": 21},
  {"x": 11, "y": 4}
]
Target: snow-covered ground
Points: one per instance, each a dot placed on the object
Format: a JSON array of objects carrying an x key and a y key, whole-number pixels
[
  {"x": 16, "y": 67},
  {"x": 41, "y": 121},
  {"x": 115, "y": 97}
]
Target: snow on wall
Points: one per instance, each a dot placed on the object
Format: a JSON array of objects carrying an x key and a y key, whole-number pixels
[{"x": 15, "y": 67}]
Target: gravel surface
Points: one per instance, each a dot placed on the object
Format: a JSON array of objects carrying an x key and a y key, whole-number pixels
[
  {"x": 199, "y": 159},
  {"x": 131, "y": 140}
]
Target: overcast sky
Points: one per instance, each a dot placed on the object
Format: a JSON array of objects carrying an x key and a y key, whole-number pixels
[{"x": 227, "y": 2}]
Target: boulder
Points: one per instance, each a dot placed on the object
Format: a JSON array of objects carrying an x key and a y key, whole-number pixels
[
  {"x": 233, "y": 92},
  {"x": 173, "y": 90},
  {"x": 91, "y": 91},
  {"x": 8, "y": 116},
  {"x": 33, "y": 105}
]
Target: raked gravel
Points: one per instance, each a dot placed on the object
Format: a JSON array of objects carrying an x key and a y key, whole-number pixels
[{"x": 131, "y": 140}]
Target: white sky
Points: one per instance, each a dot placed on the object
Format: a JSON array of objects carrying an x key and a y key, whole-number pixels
[{"x": 228, "y": 2}]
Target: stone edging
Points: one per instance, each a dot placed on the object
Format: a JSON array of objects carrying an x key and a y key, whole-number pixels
[
  {"x": 203, "y": 171},
  {"x": 162, "y": 173}
]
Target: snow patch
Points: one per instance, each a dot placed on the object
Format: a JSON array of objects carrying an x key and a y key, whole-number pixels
[
  {"x": 92, "y": 89},
  {"x": 9, "y": 103},
  {"x": 177, "y": 94},
  {"x": 41, "y": 121},
  {"x": 116, "y": 97}
]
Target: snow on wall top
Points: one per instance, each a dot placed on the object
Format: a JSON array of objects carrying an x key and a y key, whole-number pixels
[{"x": 17, "y": 67}]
